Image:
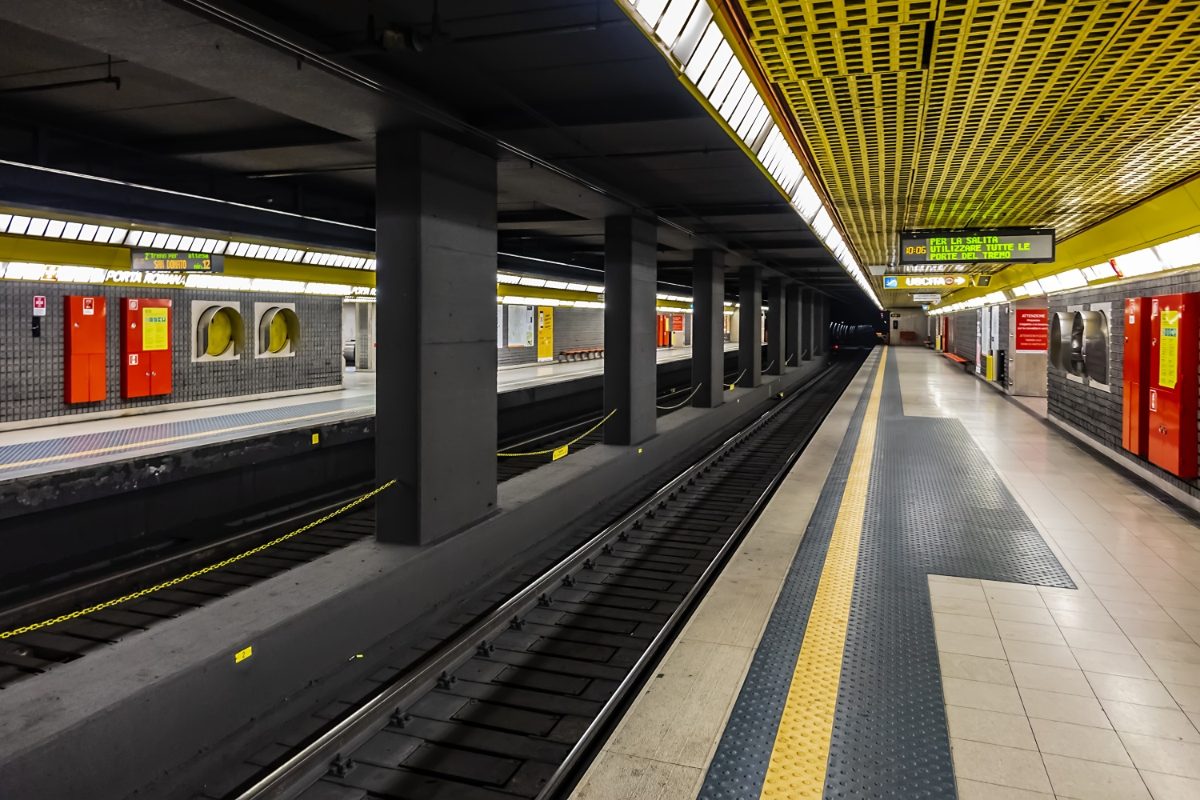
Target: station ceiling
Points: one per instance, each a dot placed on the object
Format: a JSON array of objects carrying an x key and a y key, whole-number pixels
[
  {"x": 982, "y": 113},
  {"x": 275, "y": 103}
]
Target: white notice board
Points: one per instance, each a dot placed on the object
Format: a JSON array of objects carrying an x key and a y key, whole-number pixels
[{"x": 521, "y": 330}]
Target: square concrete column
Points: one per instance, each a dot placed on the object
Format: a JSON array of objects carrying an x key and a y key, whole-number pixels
[
  {"x": 750, "y": 325},
  {"x": 708, "y": 326},
  {"x": 435, "y": 422},
  {"x": 792, "y": 328},
  {"x": 821, "y": 320},
  {"x": 808, "y": 324},
  {"x": 364, "y": 337},
  {"x": 630, "y": 361},
  {"x": 776, "y": 326}
]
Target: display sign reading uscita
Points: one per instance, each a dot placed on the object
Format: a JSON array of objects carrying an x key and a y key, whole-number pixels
[
  {"x": 176, "y": 261},
  {"x": 977, "y": 246}
]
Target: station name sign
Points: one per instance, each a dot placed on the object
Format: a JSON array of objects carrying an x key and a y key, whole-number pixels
[
  {"x": 176, "y": 261},
  {"x": 977, "y": 246}
]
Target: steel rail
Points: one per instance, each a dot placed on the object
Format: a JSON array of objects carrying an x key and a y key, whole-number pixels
[
  {"x": 666, "y": 634},
  {"x": 388, "y": 704}
]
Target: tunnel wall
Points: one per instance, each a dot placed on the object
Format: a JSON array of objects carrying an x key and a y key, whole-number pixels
[{"x": 31, "y": 369}]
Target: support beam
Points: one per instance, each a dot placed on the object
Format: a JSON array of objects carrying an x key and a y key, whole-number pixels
[
  {"x": 750, "y": 325},
  {"x": 708, "y": 341},
  {"x": 808, "y": 324},
  {"x": 776, "y": 325},
  {"x": 820, "y": 325},
  {"x": 630, "y": 280},
  {"x": 435, "y": 424},
  {"x": 364, "y": 337},
  {"x": 792, "y": 333}
]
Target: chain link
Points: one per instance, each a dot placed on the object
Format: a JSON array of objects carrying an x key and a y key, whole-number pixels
[
  {"x": 588, "y": 432},
  {"x": 116, "y": 601}
]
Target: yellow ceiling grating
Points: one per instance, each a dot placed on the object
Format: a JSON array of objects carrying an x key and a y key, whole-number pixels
[{"x": 976, "y": 113}]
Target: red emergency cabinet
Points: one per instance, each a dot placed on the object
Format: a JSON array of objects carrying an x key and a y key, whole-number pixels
[
  {"x": 1136, "y": 376},
  {"x": 85, "y": 348},
  {"x": 145, "y": 347},
  {"x": 1174, "y": 342}
]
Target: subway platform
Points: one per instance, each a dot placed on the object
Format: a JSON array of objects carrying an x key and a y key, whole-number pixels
[
  {"x": 946, "y": 597},
  {"x": 37, "y": 450}
]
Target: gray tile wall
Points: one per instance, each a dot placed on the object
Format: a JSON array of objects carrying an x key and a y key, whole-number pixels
[
  {"x": 573, "y": 327},
  {"x": 31, "y": 370},
  {"x": 1092, "y": 410}
]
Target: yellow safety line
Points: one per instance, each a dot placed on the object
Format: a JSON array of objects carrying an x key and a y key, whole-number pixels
[
  {"x": 152, "y": 442},
  {"x": 116, "y": 601},
  {"x": 801, "y": 752},
  {"x": 560, "y": 447}
]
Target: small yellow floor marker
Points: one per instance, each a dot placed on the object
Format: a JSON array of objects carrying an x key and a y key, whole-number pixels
[
  {"x": 560, "y": 452},
  {"x": 243, "y": 654},
  {"x": 316, "y": 438},
  {"x": 798, "y": 760}
]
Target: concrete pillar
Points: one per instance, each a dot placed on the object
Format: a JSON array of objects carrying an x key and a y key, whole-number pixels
[
  {"x": 750, "y": 326},
  {"x": 791, "y": 337},
  {"x": 708, "y": 339},
  {"x": 364, "y": 337},
  {"x": 807, "y": 324},
  {"x": 630, "y": 376},
  {"x": 435, "y": 424},
  {"x": 821, "y": 322},
  {"x": 777, "y": 352}
]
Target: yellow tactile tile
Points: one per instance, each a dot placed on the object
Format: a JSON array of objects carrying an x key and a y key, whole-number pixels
[{"x": 801, "y": 752}]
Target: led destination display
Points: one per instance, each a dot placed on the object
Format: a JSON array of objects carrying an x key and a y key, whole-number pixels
[
  {"x": 176, "y": 261},
  {"x": 977, "y": 246}
]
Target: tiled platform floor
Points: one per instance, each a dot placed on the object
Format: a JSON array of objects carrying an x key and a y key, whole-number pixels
[{"x": 1086, "y": 694}]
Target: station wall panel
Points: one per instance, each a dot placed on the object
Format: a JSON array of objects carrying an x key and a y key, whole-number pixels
[
  {"x": 1089, "y": 409},
  {"x": 573, "y": 327},
  {"x": 31, "y": 369},
  {"x": 964, "y": 334}
]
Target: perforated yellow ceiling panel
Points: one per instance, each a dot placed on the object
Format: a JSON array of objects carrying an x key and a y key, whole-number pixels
[{"x": 982, "y": 113}]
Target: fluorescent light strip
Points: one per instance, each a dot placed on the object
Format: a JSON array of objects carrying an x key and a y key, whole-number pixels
[{"x": 706, "y": 59}]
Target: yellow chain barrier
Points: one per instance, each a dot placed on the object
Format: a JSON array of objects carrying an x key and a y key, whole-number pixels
[
  {"x": 588, "y": 432},
  {"x": 686, "y": 400},
  {"x": 83, "y": 612}
]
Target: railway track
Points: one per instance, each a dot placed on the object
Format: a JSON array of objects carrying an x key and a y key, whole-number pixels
[
  {"x": 29, "y": 654},
  {"x": 511, "y": 705}
]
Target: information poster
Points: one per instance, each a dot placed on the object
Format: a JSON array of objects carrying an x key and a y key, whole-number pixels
[
  {"x": 520, "y": 326},
  {"x": 155, "y": 328},
  {"x": 545, "y": 333},
  {"x": 499, "y": 326},
  {"x": 1032, "y": 332},
  {"x": 1168, "y": 348}
]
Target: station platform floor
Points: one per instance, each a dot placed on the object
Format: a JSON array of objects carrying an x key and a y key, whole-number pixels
[
  {"x": 946, "y": 598},
  {"x": 63, "y": 445}
]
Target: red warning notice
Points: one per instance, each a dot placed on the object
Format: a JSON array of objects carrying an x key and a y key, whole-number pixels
[{"x": 1033, "y": 330}]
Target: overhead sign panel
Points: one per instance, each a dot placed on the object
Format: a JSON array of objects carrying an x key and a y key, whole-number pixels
[
  {"x": 176, "y": 261},
  {"x": 927, "y": 298},
  {"x": 924, "y": 281},
  {"x": 977, "y": 246}
]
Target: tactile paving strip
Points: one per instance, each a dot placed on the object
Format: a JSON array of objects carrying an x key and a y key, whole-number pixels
[
  {"x": 935, "y": 505},
  {"x": 742, "y": 758},
  {"x": 48, "y": 455}
]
